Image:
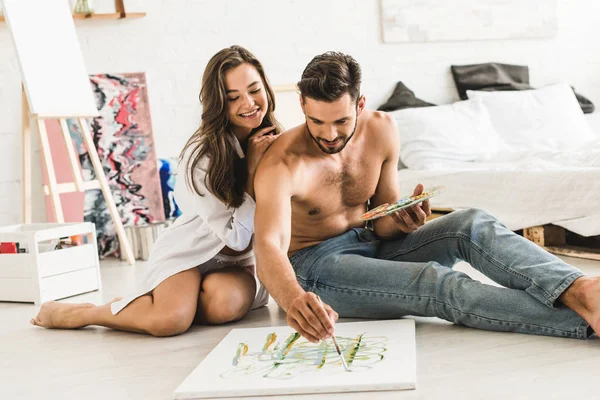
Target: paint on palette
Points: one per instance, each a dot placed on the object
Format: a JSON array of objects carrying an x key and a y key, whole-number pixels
[
  {"x": 405, "y": 202},
  {"x": 298, "y": 356}
]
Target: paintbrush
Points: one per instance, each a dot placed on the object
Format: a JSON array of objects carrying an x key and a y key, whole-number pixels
[{"x": 337, "y": 347}]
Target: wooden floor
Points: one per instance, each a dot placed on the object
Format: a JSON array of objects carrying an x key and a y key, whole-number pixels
[{"x": 453, "y": 362}]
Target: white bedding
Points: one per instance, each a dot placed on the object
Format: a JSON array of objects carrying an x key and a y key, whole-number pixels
[
  {"x": 522, "y": 189},
  {"x": 586, "y": 157},
  {"x": 557, "y": 180}
]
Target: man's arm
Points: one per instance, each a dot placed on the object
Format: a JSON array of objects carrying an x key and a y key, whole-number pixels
[
  {"x": 388, "y": 190},
  {"x": 273, "y": 188},
  {"x": 272, "y": 234}
]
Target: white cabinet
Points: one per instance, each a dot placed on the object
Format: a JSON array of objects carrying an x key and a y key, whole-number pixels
[{"x": 37, "y": 276}]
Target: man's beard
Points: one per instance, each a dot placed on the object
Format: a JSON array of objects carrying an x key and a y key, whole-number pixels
[{"x": 335, "y": 150}]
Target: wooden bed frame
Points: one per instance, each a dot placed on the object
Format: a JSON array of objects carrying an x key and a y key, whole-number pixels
[
  {"x": 554, "y": 239},
  {"x": 551, "y": 237}
]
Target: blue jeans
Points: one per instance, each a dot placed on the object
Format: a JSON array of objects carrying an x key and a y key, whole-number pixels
[{"x": 361, "y": 276}]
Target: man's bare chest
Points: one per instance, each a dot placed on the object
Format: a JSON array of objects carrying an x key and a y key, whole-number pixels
[{"x": 331, "y": 190}]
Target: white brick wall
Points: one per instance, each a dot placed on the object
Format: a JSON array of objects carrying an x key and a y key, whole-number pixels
[{"x": 176, "y": 39}]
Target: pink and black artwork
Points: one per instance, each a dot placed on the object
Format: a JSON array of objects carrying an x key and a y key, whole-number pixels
[{"x": 124, "y": 139}]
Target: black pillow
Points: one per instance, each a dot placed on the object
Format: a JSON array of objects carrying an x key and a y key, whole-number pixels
[
  {"x": 402, "y": 98},
  {"x": 497, "y": 76},
  {"x": 586, "y": 105},
  {"x": 490, "y": 76}
]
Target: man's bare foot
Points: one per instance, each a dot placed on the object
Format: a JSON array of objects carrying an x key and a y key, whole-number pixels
[
  {"x": 583, "y": 297},
  {"x": 64, "y": 315}
]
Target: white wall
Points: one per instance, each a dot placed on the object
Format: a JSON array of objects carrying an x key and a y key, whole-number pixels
[{"x": 176, "y": 39}]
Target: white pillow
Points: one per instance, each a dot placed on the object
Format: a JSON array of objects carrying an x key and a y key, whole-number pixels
[
  {"x": 543, "y": 119},
  {"x": 593, "y": 121},
  {"x": 434, "y": 136}
]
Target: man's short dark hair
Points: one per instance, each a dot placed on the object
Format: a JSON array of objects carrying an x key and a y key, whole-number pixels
[{"x": 329, "y": 76}]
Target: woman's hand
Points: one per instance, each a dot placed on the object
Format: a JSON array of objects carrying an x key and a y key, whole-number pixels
[{"x": 258, "y": 144}]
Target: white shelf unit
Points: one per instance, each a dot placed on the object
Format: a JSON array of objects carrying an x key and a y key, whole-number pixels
[{"x": 36, "y": 277}]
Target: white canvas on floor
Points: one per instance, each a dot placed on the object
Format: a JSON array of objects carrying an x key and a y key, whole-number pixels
[{"x": 277, "y": 361}]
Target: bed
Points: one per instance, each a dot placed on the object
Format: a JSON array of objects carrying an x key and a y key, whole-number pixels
[
  {"x": 530, "y": 158},
  {"x": 532, "y": 190}
]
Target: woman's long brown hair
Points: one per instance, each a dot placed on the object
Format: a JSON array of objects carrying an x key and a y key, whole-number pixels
[{"x": 227, "y": 173}]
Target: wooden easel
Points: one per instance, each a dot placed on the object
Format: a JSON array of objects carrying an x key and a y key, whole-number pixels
[
  {"x": 54, "y": 189},
  {"x": 56, "y": 86}
]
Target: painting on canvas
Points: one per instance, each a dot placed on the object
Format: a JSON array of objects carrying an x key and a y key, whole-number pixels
[
  {"x": 442, "y": 20},
  {"x": 124, "y": 139},
  {"x": 277, "y": 360}
]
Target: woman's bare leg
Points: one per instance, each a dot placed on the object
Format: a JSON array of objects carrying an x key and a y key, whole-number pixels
[
  {"x": 168, "y": 310},
  {"x": 226, "y": 296}
]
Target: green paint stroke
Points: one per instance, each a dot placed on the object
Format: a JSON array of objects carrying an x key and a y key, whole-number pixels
[
  {"x": 324, "y": 346},
  {"x": 289, "y": 343},
  {"x": 353, "y": 349},
  {"x": 288, "y": 346}
]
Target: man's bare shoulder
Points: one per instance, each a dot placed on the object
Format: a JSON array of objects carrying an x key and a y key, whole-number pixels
[
  {"x": 381, "y": 122},
  {"x": 382, "y": 129},
  {"x": 284, "y": 156}
]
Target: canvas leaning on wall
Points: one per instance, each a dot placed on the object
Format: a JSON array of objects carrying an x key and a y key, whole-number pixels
[{"x": 124, "y": 138}]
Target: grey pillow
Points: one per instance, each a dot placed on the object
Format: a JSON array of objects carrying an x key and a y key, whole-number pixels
[
  {"x": 489, "y": 76},
  {"x": 496, "y": 76},
  {"x": 402, "y": 98}
]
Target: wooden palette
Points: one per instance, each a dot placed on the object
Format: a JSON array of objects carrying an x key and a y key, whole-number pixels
[{"x": 387, "y": 209}]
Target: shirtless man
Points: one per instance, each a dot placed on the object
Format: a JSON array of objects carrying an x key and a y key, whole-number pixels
[{"x": 316, "y": 181}]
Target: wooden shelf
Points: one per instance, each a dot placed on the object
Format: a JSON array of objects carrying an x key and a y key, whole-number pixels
[
  {"x": 101, "y": 16},
  {"x": 109, "y": 16}
]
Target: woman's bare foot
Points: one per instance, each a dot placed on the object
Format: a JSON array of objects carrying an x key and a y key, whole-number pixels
[
  {"x": 583, "y": 297},
  {"x": 63, "y": 315}
]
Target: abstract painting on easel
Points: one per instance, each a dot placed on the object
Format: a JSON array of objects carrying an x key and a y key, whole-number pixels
[
  {"x": 124, "y": 139},
  {"x": 277, "y": 360}
]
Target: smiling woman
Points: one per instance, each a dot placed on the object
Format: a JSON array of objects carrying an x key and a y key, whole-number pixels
[
  {"x": 202, "y": 267},
  {"x": 246, "y": 105},
  {"x": 236, "y": 99}
]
